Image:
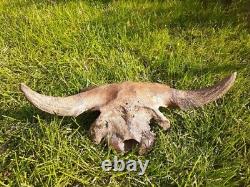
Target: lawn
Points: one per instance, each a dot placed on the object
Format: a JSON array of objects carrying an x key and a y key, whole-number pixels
[{"x": 60, "y": 47}]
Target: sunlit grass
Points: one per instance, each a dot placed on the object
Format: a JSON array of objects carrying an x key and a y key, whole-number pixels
[{"x": 60, "y": 47}]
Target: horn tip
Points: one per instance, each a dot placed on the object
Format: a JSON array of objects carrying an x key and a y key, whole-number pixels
[
  {"x": 233, "y": 77},
  {"x": 23, "y": 87},
  {"x": 234, "y": 74}
]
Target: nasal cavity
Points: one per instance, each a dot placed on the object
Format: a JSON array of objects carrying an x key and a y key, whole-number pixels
[{"x": 130, "y": 144}]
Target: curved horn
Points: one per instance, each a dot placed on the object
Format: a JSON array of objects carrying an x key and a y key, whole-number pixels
[
  {"x": 197, "y": 98},
  {"x": 66, "y": 106}
]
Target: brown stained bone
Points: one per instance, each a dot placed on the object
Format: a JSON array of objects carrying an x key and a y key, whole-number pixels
[{"x": 127, "y": 108}]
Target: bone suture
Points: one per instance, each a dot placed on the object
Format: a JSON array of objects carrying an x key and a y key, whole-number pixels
[{"x": 127, "y": 108}]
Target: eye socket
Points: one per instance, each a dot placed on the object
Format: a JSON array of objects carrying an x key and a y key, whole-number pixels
[{"x": 130, "y": 144}]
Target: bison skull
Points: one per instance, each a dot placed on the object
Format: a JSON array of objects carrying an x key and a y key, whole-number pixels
[{"x": 127, "y": 108}]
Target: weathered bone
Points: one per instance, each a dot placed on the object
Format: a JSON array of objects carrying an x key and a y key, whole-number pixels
[{"x": 127, "y": 108}]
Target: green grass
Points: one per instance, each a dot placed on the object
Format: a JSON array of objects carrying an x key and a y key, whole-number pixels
[{"x": 59, "y": 47}]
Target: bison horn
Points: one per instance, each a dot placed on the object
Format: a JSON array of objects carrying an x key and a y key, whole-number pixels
[
  {"x": 68, "y": 106},
  {"x": 197, "y": 98}
]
